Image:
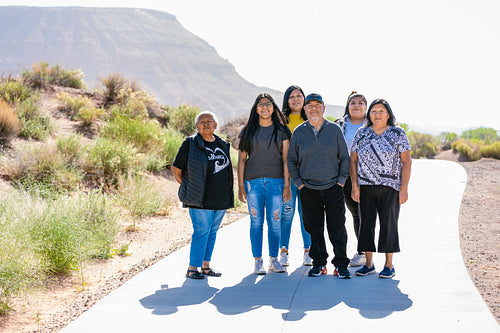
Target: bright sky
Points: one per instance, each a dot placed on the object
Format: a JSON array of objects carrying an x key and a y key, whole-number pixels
[{"x": 435, "y": 61}]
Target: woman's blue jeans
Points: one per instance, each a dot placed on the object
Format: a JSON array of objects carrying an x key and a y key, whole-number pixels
[
  {"x": 265, "y": 200},
  {"x": 205, "y": 226},
  {"x": 287, "y": 218}
]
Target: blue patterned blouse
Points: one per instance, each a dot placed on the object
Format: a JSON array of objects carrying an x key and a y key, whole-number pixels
[{"x": 379, "y": 160}]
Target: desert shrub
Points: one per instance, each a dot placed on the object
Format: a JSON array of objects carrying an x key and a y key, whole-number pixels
[
  {"x": 73, "y": 105},
  {"x": 111, "y": 159},
  {"x": 112, "y": 85},
  {"x": 173, "y": 141},
  {"x": 144, "y": 134},
  {"x": 330, "y": 118},
  {"x": 9, "y": 124},
  {"x": 18, "y": 267},
  {"x": 14, "y": 91},
  {"x": 446, "y": 139},
  {"x": 43, "y": 171},
  {"x": 468, "y": 148},
  {"x": 72, "y": 78},
  {"x": 487, "y": 135},
  {"x": 140, "y": 196},
  {"x": 72, "y": 229},
  {"x": 181, "y": 118},
  {"x": 422, "y": 145},
  {"x": 71, "y": 149},
  {"x": 42, "y": 74},
  {"x": 492, "y": 150},
  {"x": 88, "y": 115},
  {"x": 33, "y": 124}
]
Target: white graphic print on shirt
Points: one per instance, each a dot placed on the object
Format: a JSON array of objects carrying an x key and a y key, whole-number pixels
[{"x": 218, "y": 154}]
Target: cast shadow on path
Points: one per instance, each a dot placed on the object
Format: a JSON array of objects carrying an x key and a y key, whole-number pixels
[
  {"x": 167, "y": 301},
  {"x": 297, "y": 293}
]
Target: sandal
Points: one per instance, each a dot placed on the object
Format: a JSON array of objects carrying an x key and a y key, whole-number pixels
[
  {"x": 194, "y": 274},
  {"x": 210, "y": 272}
]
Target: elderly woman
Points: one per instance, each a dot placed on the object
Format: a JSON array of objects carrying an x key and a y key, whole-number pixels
[
  {"x": 380, "y": 172},
  {"x": 203, "y": 168}
]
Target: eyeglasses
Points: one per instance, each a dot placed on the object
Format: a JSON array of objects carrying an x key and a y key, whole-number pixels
[{"x": 261, "y": 105}]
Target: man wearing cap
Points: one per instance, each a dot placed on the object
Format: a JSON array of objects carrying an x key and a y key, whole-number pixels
[{"x": 318, "y": 163}]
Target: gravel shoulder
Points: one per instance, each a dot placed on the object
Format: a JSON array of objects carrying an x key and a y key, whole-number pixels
[{"x": 65, "y": 298}]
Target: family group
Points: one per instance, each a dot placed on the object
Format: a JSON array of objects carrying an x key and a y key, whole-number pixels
[{"x": 295, "y": 157}]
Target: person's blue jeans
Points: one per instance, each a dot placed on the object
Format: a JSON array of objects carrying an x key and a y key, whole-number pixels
[
  {"x": 265, "y": 200},
  {"x": 205, "y": 226},
  {"x": 287, "y": 218}
]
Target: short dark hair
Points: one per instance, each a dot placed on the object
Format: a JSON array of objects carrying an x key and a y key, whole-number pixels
[{"x": 392, "y": 119}]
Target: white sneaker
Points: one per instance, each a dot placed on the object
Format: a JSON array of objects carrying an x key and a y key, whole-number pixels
[
  {"x": 275, "y": 266},
  {"x": 259, "y": 267},
  {"x": 307, "y": 259},
  {"x": 284, "y": 259},
  {"x": 358, "y": 260}
]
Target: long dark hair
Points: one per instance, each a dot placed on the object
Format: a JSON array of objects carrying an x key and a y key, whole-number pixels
[
  {"x": 252, "y": 125},
  {"x": 351, "y": 96},
  {"x": 286, "y": 108},
  {"x": 392, "y": 119}
]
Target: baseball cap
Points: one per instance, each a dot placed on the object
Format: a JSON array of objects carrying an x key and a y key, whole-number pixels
[{"x": 314, "y": 97}]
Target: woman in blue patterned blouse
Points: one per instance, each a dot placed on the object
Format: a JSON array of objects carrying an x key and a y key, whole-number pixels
[{"x": 380, "y": 173}]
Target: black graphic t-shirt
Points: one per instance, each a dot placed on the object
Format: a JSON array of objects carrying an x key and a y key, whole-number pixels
[{"x": 218, "y": 180}]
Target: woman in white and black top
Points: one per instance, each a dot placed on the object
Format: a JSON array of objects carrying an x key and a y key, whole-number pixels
[
  {"x": 380, "y": 173},
  {"x": 263, "y": 178}
]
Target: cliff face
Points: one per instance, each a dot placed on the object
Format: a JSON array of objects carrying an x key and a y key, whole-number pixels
[{"x": 149, "y": 46}]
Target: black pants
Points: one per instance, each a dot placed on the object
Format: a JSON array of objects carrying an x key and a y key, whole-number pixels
[
  {"x": 352, "y": 205},
  {"x": 384, "y": 201},
  {"x": 315, "y": 205}
]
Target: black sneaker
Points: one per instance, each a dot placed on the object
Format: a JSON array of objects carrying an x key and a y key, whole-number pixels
[
  {"x": 317, "y": 271},
  {"x": 342, "y": 272}
]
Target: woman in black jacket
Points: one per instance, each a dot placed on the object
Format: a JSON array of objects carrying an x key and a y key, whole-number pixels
[{"x": 203, "y": 168}]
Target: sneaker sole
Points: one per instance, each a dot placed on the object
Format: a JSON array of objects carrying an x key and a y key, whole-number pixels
[
  {"x": 284, "y": 264},
  {"x": 308, "y": 264},
  {"x": 386, "y": 276},
  {"x": 361, "y": 274},
  {"x": 259, "y": 273},
  {"x": 356, "y": 265},
  {"x": 323, "y": 272},
  {"x": 343, "y": 277}
]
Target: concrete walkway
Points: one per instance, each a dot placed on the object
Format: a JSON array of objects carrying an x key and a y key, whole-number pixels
[{"x": 431, "y": 291}]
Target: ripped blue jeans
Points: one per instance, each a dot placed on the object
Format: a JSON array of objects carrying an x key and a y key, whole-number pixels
[
  {"x": 265, "y": 200},
  {"x": 287, "y": 218}
]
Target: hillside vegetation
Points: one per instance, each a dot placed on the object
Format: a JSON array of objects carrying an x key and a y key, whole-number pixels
[{"x": 77, "y": 165}]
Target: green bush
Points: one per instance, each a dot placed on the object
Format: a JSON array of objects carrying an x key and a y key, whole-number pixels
[
  {"x": 492, "y": 150},
  {"x": 88, "y": 115},
  {"x": 144, "y": 134},
  {"x": 112, "y": 85},
  {"x": 42, "y": 74},
  {"x": 140, "y": 196},
  {"x": 422, "y": 145},
  {"x": 111, "y": 159},
  {"x": 71, "y": 149},
  {"x": 488, "y": 135},
  {"x": 14, "y": 92},
  {"x": 446, "y": 139},
  {"x": 182, "y": 118},
  {"x": 468, "y": 148},
  {"x": 42, "y": 170},
  {"x": 33, "y": 124},
  {"x": 73, "y": 105},
  {"x": 173, "y": 142}
]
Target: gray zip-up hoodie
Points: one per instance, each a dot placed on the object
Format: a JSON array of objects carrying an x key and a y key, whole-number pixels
[{"x": 318, "y": 160}]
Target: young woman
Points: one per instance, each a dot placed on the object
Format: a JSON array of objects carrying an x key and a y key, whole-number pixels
[
  {"x": 354, "y": 118},
  {"x": 380, "y": 173},
  {"x": 293, "y": 108},
  {"x": 263, "y": 178}
]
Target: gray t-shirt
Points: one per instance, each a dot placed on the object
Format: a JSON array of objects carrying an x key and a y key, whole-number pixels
[{"x": 265, "y": 160}]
